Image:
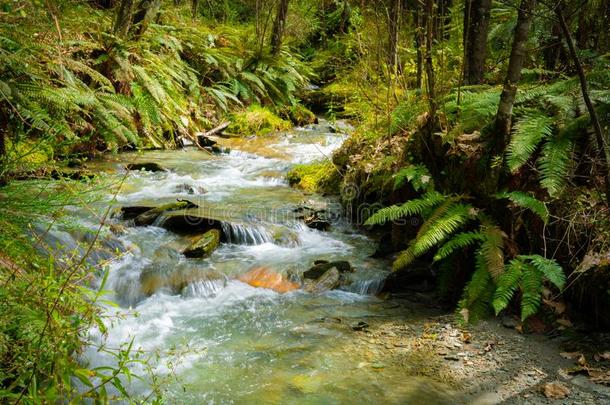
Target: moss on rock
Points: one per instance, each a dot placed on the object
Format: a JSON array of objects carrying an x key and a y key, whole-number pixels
[
  {"x": 298, "y": 114},
  {"x": 318, "y": 177},
  {"x": 257, "y": 120}
]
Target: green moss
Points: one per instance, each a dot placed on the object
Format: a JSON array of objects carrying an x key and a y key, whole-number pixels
[
  {"x": 319, "y": 177},
  {"x": 28, "y": 154},
  {"x": 257, "y": 120},
  {"x": 298, "y": 115}
]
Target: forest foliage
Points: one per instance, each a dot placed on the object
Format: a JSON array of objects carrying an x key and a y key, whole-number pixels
[{"x": 486, "y": 121}]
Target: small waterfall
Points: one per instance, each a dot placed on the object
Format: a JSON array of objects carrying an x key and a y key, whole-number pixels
[
  {"x": 241, "y": 234},
  {"x": 204, "y": 288},
  {"x": 366, "y": 287}
]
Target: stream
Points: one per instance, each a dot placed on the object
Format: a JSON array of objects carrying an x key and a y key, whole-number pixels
[{"x": 229, "y": 342}]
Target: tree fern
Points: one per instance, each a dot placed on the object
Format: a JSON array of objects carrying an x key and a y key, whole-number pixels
[
  {"x": 527, "y": 135},
  {"x": 526, "y": 201}
]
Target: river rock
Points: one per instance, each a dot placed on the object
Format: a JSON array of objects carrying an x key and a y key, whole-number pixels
[
  {"x": 328, "y": 281},
  {"x": 317, "y": 270},
  {"x": 177, "y": 278},
  {"x": 131, "y": 212},
  {"x": 316, "y": 222},
  {"x": 148, "y": 217},
  {"x": 204, "y": 246},
  {"x": 262, "y": 277},
  {"x": 148, "y": 167},
  {"x": 189, "y": 189},
  {"x": 204, "y": 141}
]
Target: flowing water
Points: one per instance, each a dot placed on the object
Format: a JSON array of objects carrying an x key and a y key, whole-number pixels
[{"x": 228, "y": 342}]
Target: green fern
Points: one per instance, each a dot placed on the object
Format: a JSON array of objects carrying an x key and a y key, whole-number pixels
[
  {"x": 492, "y": 247},
  {"x": 526, "y": 201},
  {"x": 507, "y": 285},
  {"x": 417, "y": 175},
  {"x": 555, "y": 163},
  {"x": 529, "y": 132},
  {"x": 459, "y": 241},
  {"x": 411, "y": 207}
]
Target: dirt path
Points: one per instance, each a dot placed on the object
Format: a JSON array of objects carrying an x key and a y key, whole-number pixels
[{"x": 487, "y": 363}]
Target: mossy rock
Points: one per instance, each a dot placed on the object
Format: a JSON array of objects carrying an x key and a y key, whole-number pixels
[
  {"x": 204, "y": 246},
  {"x": 148, "y": 217},
  {"x": 316, "y": 177},
  {"x": 299, "y": 115},
  {"x": 257, "y": 120}
]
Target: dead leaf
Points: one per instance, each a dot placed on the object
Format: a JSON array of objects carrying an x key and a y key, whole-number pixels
[
  {"x": 555, "y": 390},
  {"x": 557, "y": 306},
  {"x": 565, "y": 322},
  {"x": 465, "y": 314}
]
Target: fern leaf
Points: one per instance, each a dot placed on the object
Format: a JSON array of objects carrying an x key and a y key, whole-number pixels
[
  {"x": 555, "y": 163},
  {"x": 411, "y": 207},
  {"x": 526, "y": 201},
  {"x": 417, "y": 175},
  {"x": 507, "y": 284},
  {"x": 531, "y": 287},
  {"x": 478, "y": 292},
  {"x": 528, "y": 133},
  {"x": 491, "y": 248},
  {"x": 459, "y": 241},
  {"x": 551, "y": 270}
]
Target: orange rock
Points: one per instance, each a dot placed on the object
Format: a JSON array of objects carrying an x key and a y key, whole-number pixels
[{"x": 262, "y": 277}]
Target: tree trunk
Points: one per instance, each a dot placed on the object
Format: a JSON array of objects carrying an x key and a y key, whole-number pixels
[
  {"x": 278, "y": 27},
  {"x": 476, "y": 28},
  {"x": 599, "y": 133},
  {"x": 146, "y": 12},
  {"x": 123, "y": 18},
  {"x": 194, "y": 8},
  {"x": 393, "y": 27},
  {"x": 429, "y": 24},
  {"x": 419, "y": 43},
  {"x": 513, "y": 75}
]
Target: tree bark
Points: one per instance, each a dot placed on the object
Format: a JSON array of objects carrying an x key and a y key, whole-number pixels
[
  {"x": 429, "y": 24},
  {"x": 393, "y": 28},
  {"x": 122, "y": 23},
  {"x": 513, "y": 75},
  {"x": 584, "y": 86},
  {"x": 146, "y": 12},
  {"x": 278, "y": 27},
  {"x": 194, "y": 8},
  {"x": 476, "y": 28},
  {"x": 419, "y": 43}
]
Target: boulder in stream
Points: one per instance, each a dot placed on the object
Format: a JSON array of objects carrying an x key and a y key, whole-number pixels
[
  {"x": 148, "y": 167},
  {"x": 176, "y": 279},
  {"x": 189, "y": 189},
  {"x": 149, "y": 216},
  {"x": 316, "y": 222},
  {"x": 321, "y": 267},
  {"x": 205, "y": 245},
  {"x": 262, "y": 277},
  {"x": 328, "y": 281}
]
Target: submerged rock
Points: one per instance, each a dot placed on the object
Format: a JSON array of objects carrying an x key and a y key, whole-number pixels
[
  {"x": 149, "y": 216},
  {"x": 205, "y": 245},
  {"x": 262, "y": 277},
  {"x": 148, "y": 167},
  {"x": 189, "y": 189},
  {"x": 318, "y": 269},
  {"x": 328, "y": 281},
  {"x": 177, "y": 278}
]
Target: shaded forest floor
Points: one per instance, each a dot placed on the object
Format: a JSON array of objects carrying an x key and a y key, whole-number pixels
[{"x": 487, "y": 363}]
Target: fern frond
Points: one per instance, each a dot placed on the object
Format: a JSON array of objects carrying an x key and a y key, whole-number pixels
[
  {"x": 478, "y": 292},
  {"x": 507, "y": 284},
  {"x": 531, "y": 287},
  {"x": 551, "y": 270},
  {"x": 555, "y": 163},
  {"x": 411, "y": 207},
  {"x": 528, "y": 133},
  {"x": 524, "y": 200},
  {"x": 459, "y": 241},
  {"x": 417, "y": 175},
  {"x": 492, "y": 248}
]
